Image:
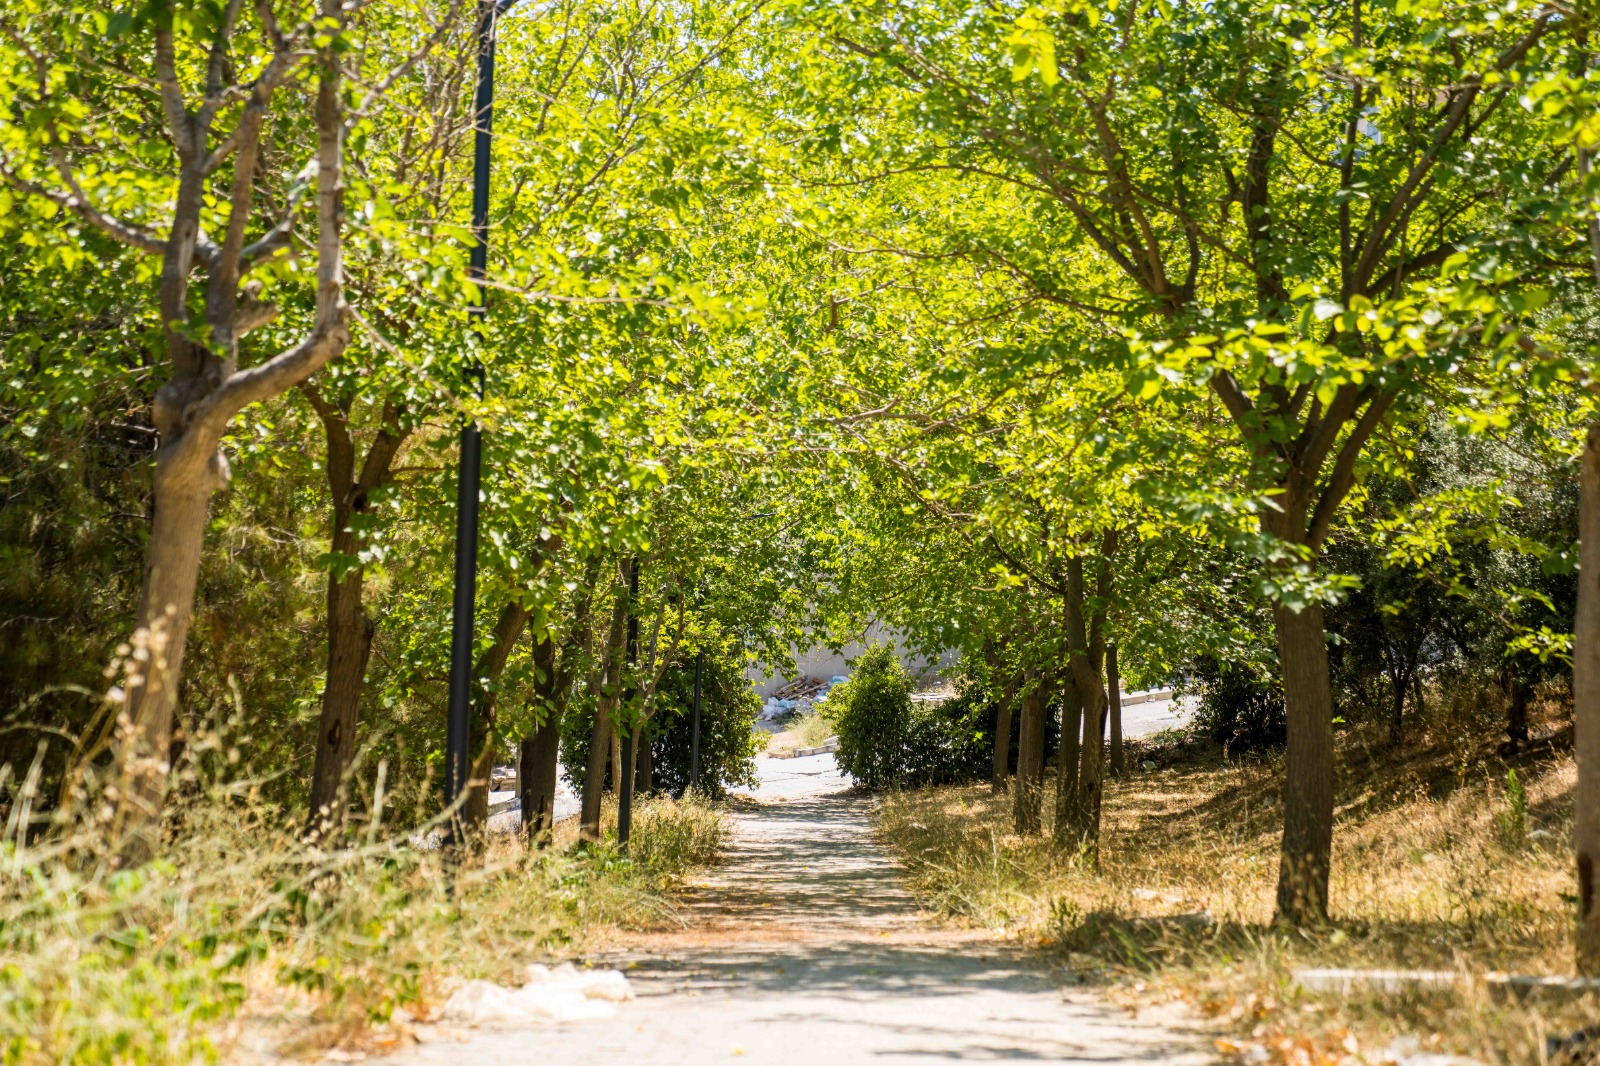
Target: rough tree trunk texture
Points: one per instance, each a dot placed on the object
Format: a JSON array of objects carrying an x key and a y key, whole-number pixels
[
  {"x": 206, "y": 389},
  {"x": 1002, "y": 738},
  {"x": 1119, "y": 764},
  {"x": 644, "y": 781},
  {"x": 1086, "y": 643},
  {"x": 600, "y": 741},
  {"x": 1397, "y": 710},
  {"x": 1308, "y": 781},
  {"x": 1586, "y": 702},
  {"x": 1065, "y": 831},
  {"x": 350, "y": 628},
  {"x": 539, "y": 752},
  {"x": 486, "y": 673},
  {"x": 1030, "y": 759},
  {"x": 1517, "y": 693},
  {"x": 1586, "y": 666}
]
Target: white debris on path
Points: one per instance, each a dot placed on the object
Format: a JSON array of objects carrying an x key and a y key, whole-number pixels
[{"x": 564, "y": 994}]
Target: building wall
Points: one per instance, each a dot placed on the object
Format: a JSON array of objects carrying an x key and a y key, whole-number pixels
[{"x": 823, "y": 662}]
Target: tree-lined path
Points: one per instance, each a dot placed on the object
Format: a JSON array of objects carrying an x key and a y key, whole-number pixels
[{"x": 805, "y": 947}]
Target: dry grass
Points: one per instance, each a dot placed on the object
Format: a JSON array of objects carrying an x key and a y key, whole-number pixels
[
  {"x": 806, "y": 731},
  {"x": 1432, "y": 868},
  {"x": 242, "y": 934}
]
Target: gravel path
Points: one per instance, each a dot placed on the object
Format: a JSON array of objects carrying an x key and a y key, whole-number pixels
[{"x": 805, "y": 948}]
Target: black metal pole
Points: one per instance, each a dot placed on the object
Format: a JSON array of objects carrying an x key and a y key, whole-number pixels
[
  {"x": 458, "y": 725},
  {"x": 625, "y": 786},
  {"x": 694, "y": 725}
]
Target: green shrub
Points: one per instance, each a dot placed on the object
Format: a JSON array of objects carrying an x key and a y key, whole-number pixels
[
  {"x": 1238, "y": 707},
  {"x": 887, "y": 741},
  {"x": 873, "y": 713}
]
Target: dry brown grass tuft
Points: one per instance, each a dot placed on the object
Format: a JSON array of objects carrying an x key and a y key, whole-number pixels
[{"x": 1437, "y": 864}]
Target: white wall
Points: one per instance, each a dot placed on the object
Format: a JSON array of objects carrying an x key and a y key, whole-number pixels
[{"x": 822, "y": 662}]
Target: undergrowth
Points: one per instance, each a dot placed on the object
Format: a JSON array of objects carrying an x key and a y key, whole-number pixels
[
  {"x": 242, "y": 932},
  {"x": 1445, "y": 857}
]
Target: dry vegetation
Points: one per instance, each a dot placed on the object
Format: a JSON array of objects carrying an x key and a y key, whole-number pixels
[
  {"x": 242, "y": 936},
  {"x": 1437, "y": 864}
]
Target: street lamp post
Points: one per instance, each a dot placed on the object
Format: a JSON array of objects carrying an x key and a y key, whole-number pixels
[
  {"x": 694, "y": 726},
  {"x": 624, "y": 787},
  {"x": 458, "y": 724}
]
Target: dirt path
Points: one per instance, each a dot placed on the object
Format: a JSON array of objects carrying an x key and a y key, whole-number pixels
[{"x": 807, "y": 949}]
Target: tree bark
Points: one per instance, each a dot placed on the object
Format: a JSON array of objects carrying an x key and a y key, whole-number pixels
[
  {"x": 541, "y": 753},
  {"x": 600, "y": 741},
  {"x": 1586, "y": 702},
  {"x": 644, "y": 782},
  {"x": 1030, "y": 758},
  {"x": 1068, "y": 825},
  {"x": 1114, "y": 693},
  {"x": 1002, "y": 738},
  {"x": 1308, "y": 782},
  {"x": 486, "y": 673},
  {"x": 350, "y": 629}
]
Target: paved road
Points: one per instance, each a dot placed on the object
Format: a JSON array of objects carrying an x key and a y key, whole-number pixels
[{"x": 804, "y": 949}]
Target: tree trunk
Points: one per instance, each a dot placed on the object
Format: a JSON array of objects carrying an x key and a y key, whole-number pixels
[
  {"x": 539, "y": 751},
  {"x": 1067, "y": 826},
  {"x": 1308, "y": 783},
  {"x": 166, "y": 610},
  {"x": 350, "y": 634},
  {"x": 1114, "y": 694},
  {"x": 1586, "y": 703},
  {"x": 486, "y": 673},
  {"x": 1091, "y": 774},
  {"x": 1516, "y": 708},
  {"x": 1030, "y": 758},
  {"x": 644, "y": 783},
  {"x": 600, "y": 741},
  {"x": 350, "y": 629},
  {"x": 1002, "y": 738},
  {"x": 1397, "y": 710},
  {"x": 541, "y": 756}
]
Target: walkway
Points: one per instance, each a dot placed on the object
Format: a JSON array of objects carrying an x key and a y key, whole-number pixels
[{"x": 805, "y": 948}]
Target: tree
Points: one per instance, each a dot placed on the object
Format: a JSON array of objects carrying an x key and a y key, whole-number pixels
[{"x": 1311, "y": 318}]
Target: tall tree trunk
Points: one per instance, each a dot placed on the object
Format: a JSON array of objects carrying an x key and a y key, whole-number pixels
[
  {"x": 1068, "y": 825},
  {"x": 644, "y": 783},
  {"x": 1085, "y": 640},
  {"x": 1308, "y": 782},
  {"x": 166, "y": 610},
  {"x": 350, "y": 628},
  {"x": 540, "y": 755},
  {"x": 1586, "y": 661},
  {"x": 486, "y": 673},
  {"x": 1397, "y": 710},
  {"x": 600, "y": 741},
  {"x": 1586, "y": 702},
  {"x": 1002, "y": 738},
  {"x": 1114, "y": 694},
  {"x": 1516, "y": 690},
  {"x": 1030, "y": 758},
  {"x": 541, "y": 752}
]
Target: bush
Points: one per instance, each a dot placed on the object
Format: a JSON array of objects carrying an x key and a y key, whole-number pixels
[
  {"x": 873, "y": 713},
  {"x": 671, "y": 837},
  {"x": 887, "y": 741},
  {"x": 1238, "y": 708}
]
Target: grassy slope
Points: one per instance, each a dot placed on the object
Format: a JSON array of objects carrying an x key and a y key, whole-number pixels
[
  {"x": 243, "y": 935},
  {"x": 1431, "y": 870}
]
